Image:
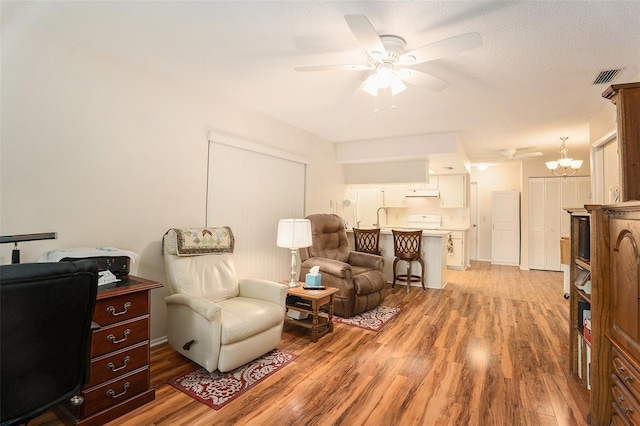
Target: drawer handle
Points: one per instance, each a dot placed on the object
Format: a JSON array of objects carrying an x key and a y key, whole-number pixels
[
  {"x": 113, "y": 338},
  {"x": 621, "y": 399},
  {"x": 113, "y": 394},
  {"x": 113, "y": 312},
  {"x": 112, "y": 367},
  {"x": 628, "y": 409}
]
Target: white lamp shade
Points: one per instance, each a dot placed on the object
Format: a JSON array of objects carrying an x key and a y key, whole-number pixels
[
  {"x": 576, "y": 164},
  {"x": 397, "y": 86},
  {"x": 371, "y": 85},
  {"x": 551, "y": 165},
  {"x": 294, "y": 233},
  {"x": 565, "y": 162}
]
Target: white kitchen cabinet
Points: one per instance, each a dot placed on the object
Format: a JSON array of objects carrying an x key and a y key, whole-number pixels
[
  {"x": 457, "y": 258},
  {"x": 453, "y": 191},
  {"x": 432, "y": 184},
  {"x": 394, "y": 195}
]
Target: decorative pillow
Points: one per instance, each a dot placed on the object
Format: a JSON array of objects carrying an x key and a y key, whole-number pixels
[{"x": 192, "y": 241}]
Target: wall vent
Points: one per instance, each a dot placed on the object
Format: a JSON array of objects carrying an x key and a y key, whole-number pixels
[{"x": 606, "y": 76}]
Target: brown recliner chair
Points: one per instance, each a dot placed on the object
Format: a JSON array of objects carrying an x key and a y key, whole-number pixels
[{"x": 357, "y": 275}]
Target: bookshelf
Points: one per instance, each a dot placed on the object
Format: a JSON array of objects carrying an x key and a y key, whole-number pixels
[{"x": 580, "y": 292}]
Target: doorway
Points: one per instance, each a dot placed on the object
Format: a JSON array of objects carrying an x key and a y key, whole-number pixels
[{"x": 473, "y": 216}]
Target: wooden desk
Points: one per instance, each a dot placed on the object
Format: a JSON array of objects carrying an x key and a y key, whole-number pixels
[
  {"x": 118, "y": 381},
  {"x": 310, "y": 301}
]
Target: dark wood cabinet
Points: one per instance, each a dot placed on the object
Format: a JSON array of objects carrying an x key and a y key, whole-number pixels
[
  {"x": 626, "y": 97},
  {"x": 615, "y": 269},
  {"x": 119, "y": 379},
  {"x": 623, "y": 331}
]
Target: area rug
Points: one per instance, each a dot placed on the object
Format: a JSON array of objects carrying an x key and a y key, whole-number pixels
[
  {"x": 218, "y": 389},
  {"x": 374, "y": 319}
]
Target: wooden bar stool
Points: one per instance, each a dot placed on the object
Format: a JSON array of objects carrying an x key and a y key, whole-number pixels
[
  {"x": 407, "y": 246},
  {"x": 367, "y": 240}
]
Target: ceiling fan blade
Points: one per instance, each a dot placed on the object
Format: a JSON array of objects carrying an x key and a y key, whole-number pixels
[
  {"x": 360, "y": 67},
  {"x": 366, "y": 34},
  {"x": 419, "y": 78},
  {"x": 440, "y": 49},
  {"x": 529, "y": 155}
]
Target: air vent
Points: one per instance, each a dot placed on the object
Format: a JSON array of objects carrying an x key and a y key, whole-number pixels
[{"x": 606, "y": 76}]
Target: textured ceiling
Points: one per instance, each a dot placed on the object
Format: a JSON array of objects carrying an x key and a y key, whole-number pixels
[{"x": 527, "y": 85}]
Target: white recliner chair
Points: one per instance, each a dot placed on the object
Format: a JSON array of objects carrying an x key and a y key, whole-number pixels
[{"x": 213, "y": 318}]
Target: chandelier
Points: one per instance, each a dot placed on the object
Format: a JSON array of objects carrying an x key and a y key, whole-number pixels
[{"x": 564, "y": 166}]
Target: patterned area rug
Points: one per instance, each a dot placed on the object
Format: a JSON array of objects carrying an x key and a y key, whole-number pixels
[
  {"x": 374, "y": 319},
  {"x": 218, "y": 389}
]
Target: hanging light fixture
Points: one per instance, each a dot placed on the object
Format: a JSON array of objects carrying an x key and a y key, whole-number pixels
[
  {"x": 569, "y": 165},
  {"x": 384, "y": 78}
]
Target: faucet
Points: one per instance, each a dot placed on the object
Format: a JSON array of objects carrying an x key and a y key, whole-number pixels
[{"x": 377, "y": 224}]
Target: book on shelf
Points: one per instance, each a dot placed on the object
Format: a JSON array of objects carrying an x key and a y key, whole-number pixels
[{"x": 580, "y": 345}]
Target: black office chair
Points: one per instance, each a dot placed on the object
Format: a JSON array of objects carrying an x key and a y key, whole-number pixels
[{"x": 46, "y": 311}]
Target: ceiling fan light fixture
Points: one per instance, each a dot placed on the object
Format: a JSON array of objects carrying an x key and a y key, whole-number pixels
[
  {"x": 371, "y": 85},
  {"x": 385, "y": 75},
  {"x": 397, "y": 86}
]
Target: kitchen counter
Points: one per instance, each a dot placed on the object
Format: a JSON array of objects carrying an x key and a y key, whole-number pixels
[
  {"x": 434, "y": 249},
  {"x": 425, "y": 232}
]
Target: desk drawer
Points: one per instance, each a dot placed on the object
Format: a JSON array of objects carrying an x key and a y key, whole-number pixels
[
  {"x": 627, "y": 404},
  {"x": 627, "y": 373},
  {"x": 617, "y": 418},
  {"x": 120, "y": 308},
  {"x": 119, "y": 336},
  {"x": 115, "y": 391},
  {"x": 115, "y": 364}
]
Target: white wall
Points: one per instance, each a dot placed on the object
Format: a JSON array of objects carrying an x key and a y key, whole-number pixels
[{"x": 107, "y": 153}]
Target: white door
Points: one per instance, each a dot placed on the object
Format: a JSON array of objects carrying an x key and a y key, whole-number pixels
[
  {"x": 505, "y": 227},
  {"x": 548, "y": 221},
  {"x": 569, "y": 199},
  {"x": 552, "y": 210},
  {"x": 473, "y": 230},
  {"x": 536, "y": 223}
]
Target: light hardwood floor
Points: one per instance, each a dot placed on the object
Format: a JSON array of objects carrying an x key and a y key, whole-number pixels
[{"x": 489, "y": 349}]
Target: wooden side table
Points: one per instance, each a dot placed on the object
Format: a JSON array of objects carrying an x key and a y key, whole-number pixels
[{"x": 310, "y": 301}]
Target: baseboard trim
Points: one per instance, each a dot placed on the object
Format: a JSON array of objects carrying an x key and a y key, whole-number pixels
[{"x": 158, "y": 341}]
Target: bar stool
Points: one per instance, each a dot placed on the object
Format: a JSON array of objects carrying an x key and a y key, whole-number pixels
[
  {"x": 407, "y": 246},
  {"x": 367, "y": 240}
]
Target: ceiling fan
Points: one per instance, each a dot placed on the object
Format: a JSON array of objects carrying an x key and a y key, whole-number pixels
[
  {"x": 386, "y": 56},
  {"x": 514, "y": 154},
  {"x": 507, "y": 154}
]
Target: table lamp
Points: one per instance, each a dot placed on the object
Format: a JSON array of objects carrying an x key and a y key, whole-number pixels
[{"x": 294, "y": 234}]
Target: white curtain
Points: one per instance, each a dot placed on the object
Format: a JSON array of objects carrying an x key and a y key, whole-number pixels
[{"x": 250, "y": 191}]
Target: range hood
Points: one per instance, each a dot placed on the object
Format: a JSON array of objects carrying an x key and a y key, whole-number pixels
[{"x": 427, "y": 193}]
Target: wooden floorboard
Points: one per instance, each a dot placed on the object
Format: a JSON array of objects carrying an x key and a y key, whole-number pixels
[{"x": 489, "y": 349}]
